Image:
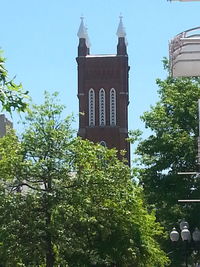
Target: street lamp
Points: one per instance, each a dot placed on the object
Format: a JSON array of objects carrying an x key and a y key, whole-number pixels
[{"x": 185, "y": 236}]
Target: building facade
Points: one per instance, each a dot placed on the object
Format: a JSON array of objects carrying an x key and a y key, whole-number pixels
[
  {"x": 103, "y": 93},
  {"x": 4, "y": 125}
]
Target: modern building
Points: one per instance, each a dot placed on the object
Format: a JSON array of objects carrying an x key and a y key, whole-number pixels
[
  {"x": 4, "y": 125},
  {"x": 184, "y": 0},
  {"x": 184, "y": 53},
  {"x": 103, "y": 93}
]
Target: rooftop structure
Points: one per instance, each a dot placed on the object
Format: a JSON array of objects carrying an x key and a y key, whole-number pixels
[
  {"x": 184, "y": 53},
  {"x": 184, "y": 0}
]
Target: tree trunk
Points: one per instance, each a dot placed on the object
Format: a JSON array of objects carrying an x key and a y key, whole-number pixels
[
  {"x": 49, "y": 257},
  {"x": 49, "y": 247}
]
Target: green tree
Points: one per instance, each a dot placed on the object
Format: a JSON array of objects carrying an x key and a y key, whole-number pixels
[
  {"x": 67, "y": 202},
  {"x": 172, "y": 148},
  {"x": 12, "y": 95}
]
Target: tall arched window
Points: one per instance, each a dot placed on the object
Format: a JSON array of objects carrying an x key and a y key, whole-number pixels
[
  {"x": 112, "y": 107},
  {"x": 102, "y": 107},
  {"x": 91, "y": 98}
]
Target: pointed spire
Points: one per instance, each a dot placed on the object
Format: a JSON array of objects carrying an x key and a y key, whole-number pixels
[
  {"x": 83, "y": 33},
  {"x": 121, "y": 33},
  {"x": 84, "y": 41},
  {"x": 122, "y": 42},
  {"x": 82, "y": 30}
]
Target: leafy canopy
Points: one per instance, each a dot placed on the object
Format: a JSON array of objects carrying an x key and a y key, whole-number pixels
[
  {"x": 172, "y": 148},
  {"x": 12, "y": 95},
  {"x": 68, "y": 202}
]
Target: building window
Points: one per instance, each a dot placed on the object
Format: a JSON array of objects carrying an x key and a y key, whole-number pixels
[
  {"x": 91, "y": 107},
  {"x": 102, "y": 108},
  {"x": 103, "y": 143},
  {"x": 112, "y": 107}
]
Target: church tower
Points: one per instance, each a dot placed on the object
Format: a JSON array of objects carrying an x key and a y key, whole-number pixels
[{"x": 103, "y": 93}]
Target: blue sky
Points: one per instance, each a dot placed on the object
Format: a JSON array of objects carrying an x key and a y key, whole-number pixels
[{"x": 39, "y": 39}]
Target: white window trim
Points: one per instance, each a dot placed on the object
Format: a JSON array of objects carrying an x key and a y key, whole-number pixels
[
  {"x": 103, "y": 143},
  {"x": 91, "y": 107},
  {"x": 102, "y": 107},
  {"x": 113, "y": 115}
]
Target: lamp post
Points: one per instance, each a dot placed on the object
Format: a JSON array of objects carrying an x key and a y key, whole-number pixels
[{"x": 185, "y": 236}]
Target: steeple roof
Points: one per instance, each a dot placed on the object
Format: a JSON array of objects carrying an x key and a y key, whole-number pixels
[
  {"x": 82, "y": 33},
  {"x": 82, "y": 30},
  {"x": 121, "y": 30}
]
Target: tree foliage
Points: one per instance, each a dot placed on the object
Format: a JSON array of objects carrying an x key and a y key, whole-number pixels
[
  {"x": 172, "y": 148},
  {"x": 67, "y": 202},
  {"x": 12, "y": 95}
]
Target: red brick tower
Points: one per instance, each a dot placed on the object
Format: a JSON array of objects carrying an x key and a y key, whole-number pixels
[{"x": 103, "y": 93}]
